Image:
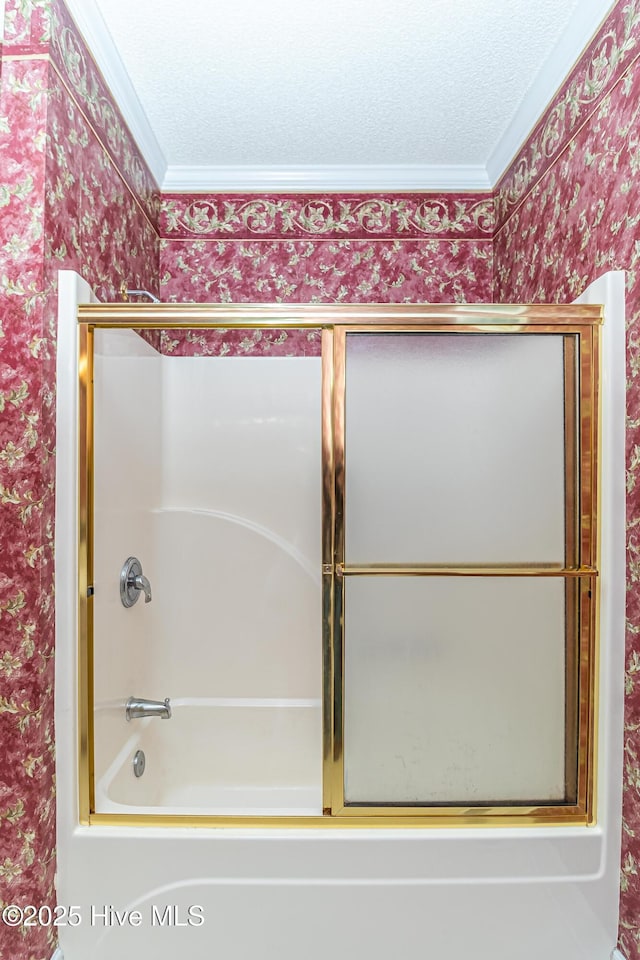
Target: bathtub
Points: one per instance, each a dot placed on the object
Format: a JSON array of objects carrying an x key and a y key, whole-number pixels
[
  {"x": 202, "y": 762},
  {"x": 289, "y": 892}
]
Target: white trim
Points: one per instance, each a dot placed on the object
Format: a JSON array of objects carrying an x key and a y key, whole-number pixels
[
  {"x": 91, "y": 25},
  {"x": 72, "y": 290},
  {"x": 330, "y": 177},
  {"x": 257, "y": 178},
  {"x": 569, "y": 48},
  {"x": 617, "y": 955}
]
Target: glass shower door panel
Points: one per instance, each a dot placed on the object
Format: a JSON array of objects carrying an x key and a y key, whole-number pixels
[
  {"x": 454, "y": 691},
  {"x": 455, "y": 448}
]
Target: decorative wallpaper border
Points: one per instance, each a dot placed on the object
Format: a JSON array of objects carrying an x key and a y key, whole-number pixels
[
  {"x": 330, "y": 216},
  {"x": 79, "y": 71},
  {"x": 593, "y": 77}
]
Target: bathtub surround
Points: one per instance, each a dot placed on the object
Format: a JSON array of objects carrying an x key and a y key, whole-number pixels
[
  {"x": 127, "y": 375},
  {"x": 568, "y": 877},
  {"x": 75, "y": 193}
]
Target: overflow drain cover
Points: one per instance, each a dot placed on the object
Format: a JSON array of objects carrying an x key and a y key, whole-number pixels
[{"x": 139, "y": 763}]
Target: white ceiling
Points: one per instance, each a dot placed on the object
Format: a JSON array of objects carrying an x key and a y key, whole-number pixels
[{"x": 335, "y": 94}]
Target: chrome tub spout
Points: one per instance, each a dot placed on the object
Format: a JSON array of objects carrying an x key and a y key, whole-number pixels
[{"x": 137, "y": 708}]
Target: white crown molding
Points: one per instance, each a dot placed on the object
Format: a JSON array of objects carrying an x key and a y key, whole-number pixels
[
  {"x": 329, "y": 177},
  {"x": 572, "y": 42},
  {"x": 91, "y": 25}
]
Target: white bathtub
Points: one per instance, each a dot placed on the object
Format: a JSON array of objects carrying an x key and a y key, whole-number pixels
[{"x": 221, "y": 757}]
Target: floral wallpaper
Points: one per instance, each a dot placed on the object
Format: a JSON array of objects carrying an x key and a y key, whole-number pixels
[
  {"x": 94, "y": 223},
  {"x": 89, "y": 91},
  {"x": 568, "y": 209},
  {"x": 27, "y": 26},
  {"x": 27, "y": 801},
  {"x": 322, "y": 249},
  {"x": 70, "y": 199}
]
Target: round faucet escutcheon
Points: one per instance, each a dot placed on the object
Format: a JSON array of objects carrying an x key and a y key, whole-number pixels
[{"x": 133, "y": 583}]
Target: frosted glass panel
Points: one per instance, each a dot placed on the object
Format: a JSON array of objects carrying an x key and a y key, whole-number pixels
[
  {"x": 454, "y": 690},
  {"x": 454, "y": 448}
]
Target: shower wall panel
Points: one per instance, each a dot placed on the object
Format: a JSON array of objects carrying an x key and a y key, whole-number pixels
[
  {"x": 243, "y": 437},
  {"x": 239, "y": 581},
  {"x": 127, "y": 488}
]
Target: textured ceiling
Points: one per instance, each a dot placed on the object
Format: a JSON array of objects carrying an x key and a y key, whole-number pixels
[{"x": 355, "y": 82}]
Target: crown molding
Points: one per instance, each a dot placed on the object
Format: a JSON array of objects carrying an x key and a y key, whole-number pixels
[
  {"x": 91, "y": 25},
  {"x": 572, "y": 43},
  {"x": 329, "y": 177}
]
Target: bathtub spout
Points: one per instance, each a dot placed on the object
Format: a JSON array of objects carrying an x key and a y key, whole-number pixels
[{"x": 137, "y": 708}]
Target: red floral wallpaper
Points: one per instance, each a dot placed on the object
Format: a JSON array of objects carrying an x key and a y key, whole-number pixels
[
  {"x": 26, "y": 26},
  {"x": 71, "y": 59},
  {"x": 73, "y": 200},
  {"x": 321, "y": 249},
  {"x": 27, "y": 800},
  {"x": 568, "y": 210}
]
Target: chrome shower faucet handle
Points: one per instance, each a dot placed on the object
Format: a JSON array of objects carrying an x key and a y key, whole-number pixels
[{"x": 133, "y": 583}]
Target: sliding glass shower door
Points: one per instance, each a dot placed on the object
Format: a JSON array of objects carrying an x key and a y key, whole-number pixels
[
  {"x": 463, "y": 588},
  {"x": 417, "y": 645}
]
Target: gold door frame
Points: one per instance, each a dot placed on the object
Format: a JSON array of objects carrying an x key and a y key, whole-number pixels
[
  {"x": 581, "y": 561},
  {"x": 579, "y": 571}
]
